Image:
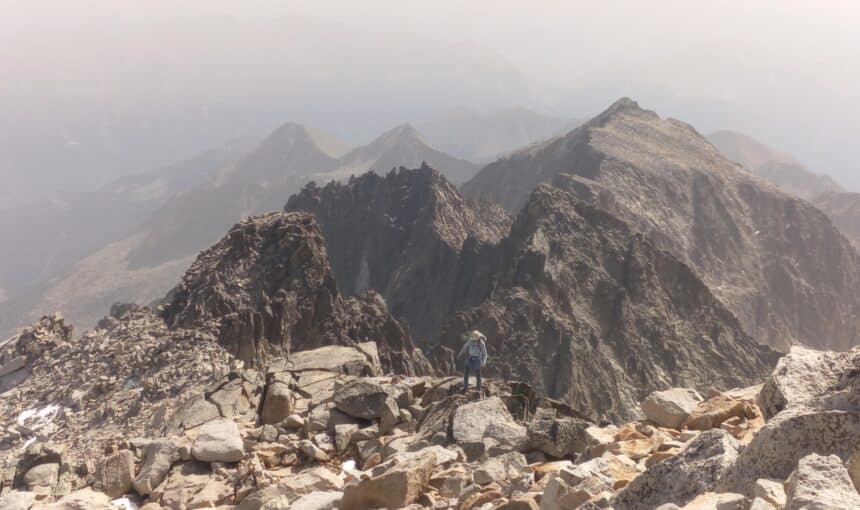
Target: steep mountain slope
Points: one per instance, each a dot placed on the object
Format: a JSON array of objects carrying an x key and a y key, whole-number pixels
[
  {"x": 587, "y": 310},
  {"x": 476, "y": 137},
  {"x": 773, "y": 260},
  {"x": 401, "y": 235},
  {"x": 256, "y": 184},
  {"x": 844, "y": 211},
  {"x": 74, "y": 254},
  {"x": 797, "y": 180},
  {"x": 746, "y": 150},
  {"x": 778, "y": 168},
  {"x": 48, "y": 237},
  {"x": 267, "y": 289},
  {"x": 400, "y": 146}
]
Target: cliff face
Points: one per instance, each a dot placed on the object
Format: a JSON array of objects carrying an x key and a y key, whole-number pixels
[
  {"x": 267, "y": 289},
  {"x": 401, "y": 235},
  {"x": 773, "y": 260},
  {"x": 590, "y": 311}
]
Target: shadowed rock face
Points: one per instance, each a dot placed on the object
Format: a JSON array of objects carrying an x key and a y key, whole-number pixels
[
  {"x": 267, "y": 289},
  {"x": 590, "y": 311},
  {"x": 773, "y": 260},
  {"x": 401, "y": 235}
]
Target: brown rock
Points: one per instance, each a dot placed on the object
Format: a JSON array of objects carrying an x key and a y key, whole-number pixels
[{"x": 395, "y": 488}]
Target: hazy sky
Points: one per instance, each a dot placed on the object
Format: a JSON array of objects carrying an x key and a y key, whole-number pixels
[{"x": 89, "y": 90}]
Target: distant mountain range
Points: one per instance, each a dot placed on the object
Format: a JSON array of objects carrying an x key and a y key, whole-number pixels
[
  {"x": 133, "y": 238},
  {"x": 777, "y": 167},
  {"x": 486, "y": 137}
]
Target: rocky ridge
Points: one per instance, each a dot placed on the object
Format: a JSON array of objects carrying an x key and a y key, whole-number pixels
[
  {"x": 401, "y": 235},
  {"x": 326, "y": 428},
  {"x": 774, "y": 260},
  {"x": 267, "y": 289},
  {"x": 587, "y": 310}
]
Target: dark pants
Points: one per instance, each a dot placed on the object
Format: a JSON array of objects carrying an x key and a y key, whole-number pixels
[{"x": 473, "y": 364}]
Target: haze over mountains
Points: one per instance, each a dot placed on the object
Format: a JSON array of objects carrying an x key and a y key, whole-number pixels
[
  {"x": 751, "y": 243},
  {"x": 780, "y": 169},
  {"x": 134, "y": 237}
]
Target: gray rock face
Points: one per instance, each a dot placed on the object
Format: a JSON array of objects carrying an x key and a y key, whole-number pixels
[
  {"x": 497, "y": 469},
  {"x": 267, "y": 289},
  {"x": 489, "y": 418},
  {"x": 383, "y": 233},
  {"x": 788, "y": 437},
  {"x": 773, "y": 260},
  {"x": 595, "y": 333},
  {"x": 559, "y": 437},
  {"x": 218, "y": 441},
  {"x": 361, "y": 399},
  {"x": 699, "y": 468},
  {"x": 670, "y": 408},
  {"x": 801, "y": 376},
  {"x": 821, "y": 482}
]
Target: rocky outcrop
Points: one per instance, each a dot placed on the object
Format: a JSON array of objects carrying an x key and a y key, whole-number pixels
[
  {"x": 401, "y": 235},
  {"x": 588, "y": 311},
  {"x": 267, "y": 289},
  {"x": 773, "y": 260},
  {"x": 820, "y": 482},
  {"x": 699, "y": 468},
  {"x": 817, "y": 410}
]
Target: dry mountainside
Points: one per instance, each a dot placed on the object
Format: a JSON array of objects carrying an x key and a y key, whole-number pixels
[{"x": 774, "y": 260}]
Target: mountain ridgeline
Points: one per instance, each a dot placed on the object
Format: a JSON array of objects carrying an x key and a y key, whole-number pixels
[{"x": 774, "y": 260}]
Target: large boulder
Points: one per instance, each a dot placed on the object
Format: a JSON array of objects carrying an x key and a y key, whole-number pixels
[
  {"x": 497, "y": 469},
  {"x": 361, "y": 399},
  {"x": 278, "y": 402},
  {"x": 802, "y": 375},
  {"x": 789, "y": 436},
  {"x": 489, "y": 418},
  {"x": 821, "y": 482},
  {"x": 395, "y": 488},
  {"x": 158, "y": 456},
  {"x": 219, "y": 441},
  {"x": 670, "y": 408},
  {"x": 696, "y": 470},
  {"x": 558, "y": 437},
  {"x": 116, "y": 473}
]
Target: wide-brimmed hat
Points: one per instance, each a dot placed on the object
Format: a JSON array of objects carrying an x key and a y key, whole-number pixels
[{"x": 476, "y": 335}]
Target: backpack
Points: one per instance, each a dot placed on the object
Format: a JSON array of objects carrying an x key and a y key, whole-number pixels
[{"x": 475, "y": 348}]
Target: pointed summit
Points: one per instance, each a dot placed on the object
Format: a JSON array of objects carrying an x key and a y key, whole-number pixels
[
  {"x": 736, "y": 230},
  {"x": 403, "y": 146}
]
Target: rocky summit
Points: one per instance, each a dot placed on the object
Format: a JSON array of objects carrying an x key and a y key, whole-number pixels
[
  {"x": 774, "y": 260},
  {"x": 160, "y": 418},
  {"x": 267, "y": 289},
  {"x": 401, "y": 235}
]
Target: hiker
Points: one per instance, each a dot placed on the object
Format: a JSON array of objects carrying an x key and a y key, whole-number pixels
[{"x": 475, "y": 350}]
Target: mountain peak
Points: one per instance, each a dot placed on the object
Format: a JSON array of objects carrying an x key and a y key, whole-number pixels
[{"x": 399, "y": 134}]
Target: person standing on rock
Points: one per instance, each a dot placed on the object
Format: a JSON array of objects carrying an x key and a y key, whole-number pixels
[{"x": 475, "y": 351}]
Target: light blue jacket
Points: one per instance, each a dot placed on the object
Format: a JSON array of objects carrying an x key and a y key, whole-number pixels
[{"x": 480, "y": 344}]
